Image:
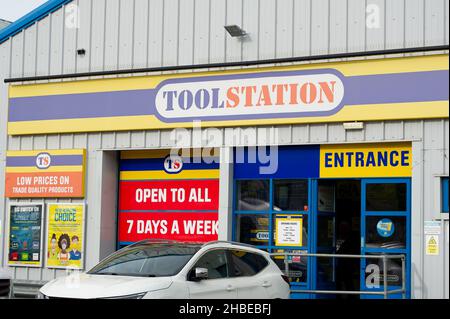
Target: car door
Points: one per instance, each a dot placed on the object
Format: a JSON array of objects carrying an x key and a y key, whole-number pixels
[
  {"x": 247, "y": 276},
  {"x": 218, "y": 285}
]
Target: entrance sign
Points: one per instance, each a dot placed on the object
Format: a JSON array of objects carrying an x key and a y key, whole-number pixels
[
  {"x": 369, "y": 90},
  {"x": 288, "y": 230},
  {"x": 366, "y": 160},
  {"x": 45, "y": 174},
  {"x": 164, "y": 196},
  {"x": 65, "y": 236},
  {"x": 25, "y": 235}
]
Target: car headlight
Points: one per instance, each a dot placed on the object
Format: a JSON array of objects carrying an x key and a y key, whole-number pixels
[{"x": 134, "y": 296}]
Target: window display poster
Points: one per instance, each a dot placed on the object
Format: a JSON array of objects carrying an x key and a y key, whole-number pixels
[
  {"x": 289, "y": 230},
  {"x": 65, "y": 236},
  {"x": 25, "y": 235}
]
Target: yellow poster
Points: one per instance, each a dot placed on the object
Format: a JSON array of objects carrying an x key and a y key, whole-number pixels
[
  {"x": 65, "y": 236},
  {"x": 289, "y": 230},
  {"x": 432, "y": 242}
]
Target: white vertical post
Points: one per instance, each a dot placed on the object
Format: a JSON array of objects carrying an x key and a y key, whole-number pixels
[{"x": 226, "y": 193}]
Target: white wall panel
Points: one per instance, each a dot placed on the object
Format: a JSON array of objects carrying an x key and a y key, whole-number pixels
[
  {"x": 112, "y": 35},
  {"x": 267, "y": 29},
  {"x": 302, "y": 26},
  {"x": 395, "y": 24},
  {"x": 170, "y": 32},
  {"x": 319, "y": 27},
  {"x": 140, "y": 31},
  {"x": 186, "y": 32},
  {"x": 356, "y": 28},
  {"x": 70, "y": 43},
  {"x": 126, "y": 33},
  {"x": 234, "y": 16},
  {"x": 43, "y": 45},
  {"x": 284, "y": 30},
  {"x": 97, "y": 51},
  {"x": 217, "y": 46},
  {"x": 155, "y": 32},
  {"x": 435, "y": 21},
  {"x": 29, "y": 58},
  {"x": 376, "y": 24},
  {"x": 250, "y": 24},
  {"x": 202, "y": 26},
  {"x": 338, "y": 26},
  {"x": 57, "y": 42}
]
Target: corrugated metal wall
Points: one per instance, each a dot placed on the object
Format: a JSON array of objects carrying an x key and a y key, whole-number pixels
[{"x": 144, "y": 33}]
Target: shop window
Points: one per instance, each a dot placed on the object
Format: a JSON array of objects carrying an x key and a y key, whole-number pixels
[
  {"x": 253, "y": 229},
  {"x": 290, "y": 195},
  {"x": 216, "y": 263},
  {"x": 387, "y": 197},
  {"x": 253, "y": 195},
  {"x": 444, "y": 193},
  {"x": 386, "y": 232},
  {"x": 247, "y": 264},
  {"x": 325, "y": 231}
]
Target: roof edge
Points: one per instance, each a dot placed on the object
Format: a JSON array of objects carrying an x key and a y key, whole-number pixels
[{"x": 30, "y": 18}]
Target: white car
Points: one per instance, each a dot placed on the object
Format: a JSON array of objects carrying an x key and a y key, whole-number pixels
[
  {"x": 173, "y": 270},
  {"x": 5, "y": 284}
]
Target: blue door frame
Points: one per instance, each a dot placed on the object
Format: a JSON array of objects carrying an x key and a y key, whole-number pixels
[{"x": 379, "y": 251}]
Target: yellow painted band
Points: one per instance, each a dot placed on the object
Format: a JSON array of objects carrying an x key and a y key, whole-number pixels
[
  {"x": 51, "y": 169},
  {"x": 187, "y": 174},
  {"x": 373, "y": 112},
  {"x": 347, "y": 68},
  {"x": 163, "y": 153},
  {"x": 51, "y": 152}
]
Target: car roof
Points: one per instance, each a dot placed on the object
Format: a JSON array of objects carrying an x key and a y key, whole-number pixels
[{"x": 217, "y": 243}]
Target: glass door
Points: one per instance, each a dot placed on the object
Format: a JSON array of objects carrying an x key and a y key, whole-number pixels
[
  {"x": 385, "y": 229},
  {"x": 325, "y": 236}
]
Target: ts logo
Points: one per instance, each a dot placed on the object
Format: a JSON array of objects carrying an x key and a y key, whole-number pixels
[
  {"x": 43, "y": 161},
  {"x": 173, "y": 164}
]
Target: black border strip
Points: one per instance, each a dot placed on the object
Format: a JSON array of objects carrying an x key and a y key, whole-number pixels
[{"x": 232, "y": 64}]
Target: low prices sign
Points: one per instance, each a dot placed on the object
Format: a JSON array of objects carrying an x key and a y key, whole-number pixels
[
  {"x": 190, "y": 227},
  {"x": 45, "y": 174}
]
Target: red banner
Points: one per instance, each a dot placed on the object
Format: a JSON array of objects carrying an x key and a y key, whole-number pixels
[
  {"x": 169, "y": 195},
  {"x": 188, "y": 227}
]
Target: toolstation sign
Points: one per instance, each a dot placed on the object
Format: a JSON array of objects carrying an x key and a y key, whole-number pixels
[
  {"x": 369, "y": 90},
  {"x": 251, "y": 96}
]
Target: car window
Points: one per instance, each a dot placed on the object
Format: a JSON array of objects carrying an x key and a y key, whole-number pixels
[
  {"x": 156, "y": 260},
  {"x": 216, "y": 263},
  {"x": 247, "y": 264}
]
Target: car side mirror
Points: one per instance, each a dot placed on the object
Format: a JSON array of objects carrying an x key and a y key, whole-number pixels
[{"x": 200, "y": 274}]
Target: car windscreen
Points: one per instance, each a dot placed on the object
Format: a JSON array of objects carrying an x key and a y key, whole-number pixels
[{"x": 146, "y": 261}]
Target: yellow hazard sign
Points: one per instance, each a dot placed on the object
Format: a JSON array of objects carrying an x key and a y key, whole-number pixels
[{"x": 432, "y": 245}]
